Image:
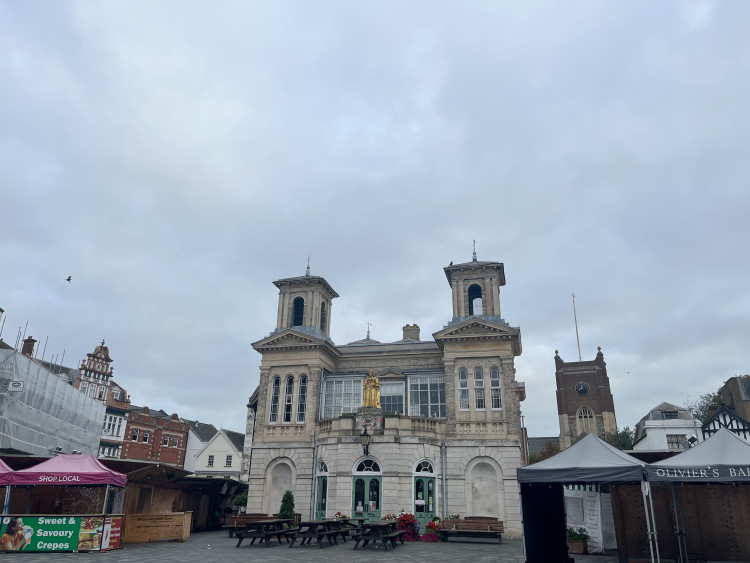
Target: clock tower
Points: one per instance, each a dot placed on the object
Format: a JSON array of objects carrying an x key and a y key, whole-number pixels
[{"x": 584, "y": 399}]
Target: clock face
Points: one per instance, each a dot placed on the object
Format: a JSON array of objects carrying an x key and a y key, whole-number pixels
[{"x": 582, "y": 387}]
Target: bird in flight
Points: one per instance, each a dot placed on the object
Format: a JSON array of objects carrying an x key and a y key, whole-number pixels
[{"x": 68, "y": 278}]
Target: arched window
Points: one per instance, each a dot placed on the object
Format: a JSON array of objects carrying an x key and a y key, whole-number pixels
[
  {"x": 301, "y": 399},
  {"x": 424, "y": 467},
  {"x": 479, "y": 402},
  {"x": 368, "y": 466},
  {"x": 323, "y": 317},
  {"x": 274, "y": 410},
  {"x": 298, "y": 311},
  {"x": 463, "y": 389},
  {"x": 475, "y": 300},
  {"x": 288, "y": 393},
  {"x": 586, "y": 421},
  {"x": 495, "y": 401}
]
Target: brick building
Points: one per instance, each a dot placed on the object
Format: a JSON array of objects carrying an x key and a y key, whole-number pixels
[{"x": 155, "y": 436}]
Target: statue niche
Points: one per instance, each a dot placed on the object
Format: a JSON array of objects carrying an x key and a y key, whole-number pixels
[{"x": 371, "y": 391}]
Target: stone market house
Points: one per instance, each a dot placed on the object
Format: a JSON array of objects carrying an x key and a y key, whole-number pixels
[{"x": 446, "y": 438}]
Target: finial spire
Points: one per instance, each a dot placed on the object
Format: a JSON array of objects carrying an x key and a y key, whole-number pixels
[
  {"x": 368, "y": 329},
  {"x": 307, "y": 272},
  {"x": 474, "y": 255}
]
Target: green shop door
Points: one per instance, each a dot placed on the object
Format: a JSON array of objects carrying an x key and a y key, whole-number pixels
[
  {"x": 366, "y": 498},
  {"x": 320, "y": 506},
  {"x": 424, "y": 500}
]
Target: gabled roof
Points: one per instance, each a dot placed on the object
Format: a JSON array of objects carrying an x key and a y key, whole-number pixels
[
  {"x": 237, "y": 439},
  {"x": 204, "y": 431}
]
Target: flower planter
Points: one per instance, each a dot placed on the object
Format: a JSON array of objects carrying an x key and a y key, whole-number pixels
[{"x": 578, "y": 546}]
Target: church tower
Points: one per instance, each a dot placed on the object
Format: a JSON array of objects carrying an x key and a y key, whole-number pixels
[{"x": 584, "y": 399}]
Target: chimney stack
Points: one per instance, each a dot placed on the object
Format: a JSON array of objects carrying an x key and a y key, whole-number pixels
[
  {"x": 28, "y": 346},
  {"x": 411, "y": 332}
]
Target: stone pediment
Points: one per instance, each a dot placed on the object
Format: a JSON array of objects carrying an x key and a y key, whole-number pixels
[
  {"x": 479, "y": 329},
  {"x": 290, "y": 339}
]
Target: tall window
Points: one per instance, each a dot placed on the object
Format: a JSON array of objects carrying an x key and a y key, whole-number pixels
[
  {"x": 175, "y": 441},
  {"x": 392, "y": 397},
  {"x": 102, "y": 390},
  {"x": 135, "y": 435},
  {"x": 475, "y": 300},
  {"x": 302, "y": 399},
  {"x": 210, "y": 461},
  {"x": 84, "y": 386},
  {"x": 298, "y": 311},
  {"x": 342, "y": 396},
  {"x": 146, "y": 434},
  {"x": 165, "y": 440},
  {"x": 479, "y": 402},
  {"x": 323, "y": 317},
  {"x": 427, "y": 397},
  {"x": 274, "y": 411},
  {"x": 586, "y": 421},
  {"x": 463, "y": 389},
  {"x": 228, "y": 462},
  {"x": 495, "y": 388},
  {"x": 288, "y": 396}
]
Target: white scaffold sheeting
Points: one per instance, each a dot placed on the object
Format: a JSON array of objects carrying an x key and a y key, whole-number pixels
[{"x": 40, "y": 412}]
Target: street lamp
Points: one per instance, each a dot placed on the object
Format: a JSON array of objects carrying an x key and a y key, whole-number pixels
[{"x": 366, "y": 438}]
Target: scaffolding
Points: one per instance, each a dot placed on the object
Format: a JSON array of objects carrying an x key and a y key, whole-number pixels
[{"x": 41, "y": 414}]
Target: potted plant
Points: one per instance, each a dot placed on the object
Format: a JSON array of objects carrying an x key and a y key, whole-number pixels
[{"x": 577, "y": 538}]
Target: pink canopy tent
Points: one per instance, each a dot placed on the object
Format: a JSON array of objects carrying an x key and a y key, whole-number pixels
[
  {"x": 5, "y": 473},
  {"x": 68, "y": 469}
]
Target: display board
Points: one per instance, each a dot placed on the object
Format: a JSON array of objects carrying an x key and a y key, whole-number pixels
[{"x": 60, "y": 532}]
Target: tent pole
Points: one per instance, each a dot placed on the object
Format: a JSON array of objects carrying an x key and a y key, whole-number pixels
[
  {"x": 681, "y": 540},
  {"x": 106, "y": 498},
  {"x": 653, "y": 522},
  {"x": 644, "y": 487},
  {"x": 6, "y": 504}
]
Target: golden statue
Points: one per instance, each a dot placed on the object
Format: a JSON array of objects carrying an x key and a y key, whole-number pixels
[{"x": 371, "y": 391}]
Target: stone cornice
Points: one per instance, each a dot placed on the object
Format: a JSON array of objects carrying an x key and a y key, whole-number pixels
[{"x": 291, "y": 339}]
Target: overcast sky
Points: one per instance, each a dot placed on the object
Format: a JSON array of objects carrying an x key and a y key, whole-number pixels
[{"x": 175, "y": 158}]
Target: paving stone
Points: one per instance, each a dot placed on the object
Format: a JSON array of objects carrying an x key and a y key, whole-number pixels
[{"x": 217, "y": 547}]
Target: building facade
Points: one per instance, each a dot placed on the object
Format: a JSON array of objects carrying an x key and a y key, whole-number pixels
[
  {"x": 155, "y": 436},
  {"x": 584, "y": 399},
  {"x": 221, "y": 457},
  {"x": 445, "y": 437},
  {"x": 666, "y": 427},
  {"x": 95, "y": 380}
]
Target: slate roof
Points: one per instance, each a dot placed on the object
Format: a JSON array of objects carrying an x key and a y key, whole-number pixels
[
  {"x": 204, "y": 431},
  {"x": 237, "y": 439}
]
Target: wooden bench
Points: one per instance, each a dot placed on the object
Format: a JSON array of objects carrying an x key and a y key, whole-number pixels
[
  {"x": 239, "y": 521},
  {"x": 472, "y": 527}
]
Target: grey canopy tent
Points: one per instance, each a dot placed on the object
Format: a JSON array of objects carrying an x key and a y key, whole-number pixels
[
  {"x": 701, "y": 518},
  {"x": 590, "y": 460},
  {"x": 723, "y": 458}
]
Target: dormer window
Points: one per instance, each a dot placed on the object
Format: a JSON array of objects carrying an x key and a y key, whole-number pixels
[{"x": 669, "y": 415}]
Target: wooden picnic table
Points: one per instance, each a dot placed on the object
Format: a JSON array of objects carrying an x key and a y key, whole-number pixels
[
  {"x": 384, "y": 531},
  {"x": 264, "y": 530},
  {"x": 318, "y": 530}
]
